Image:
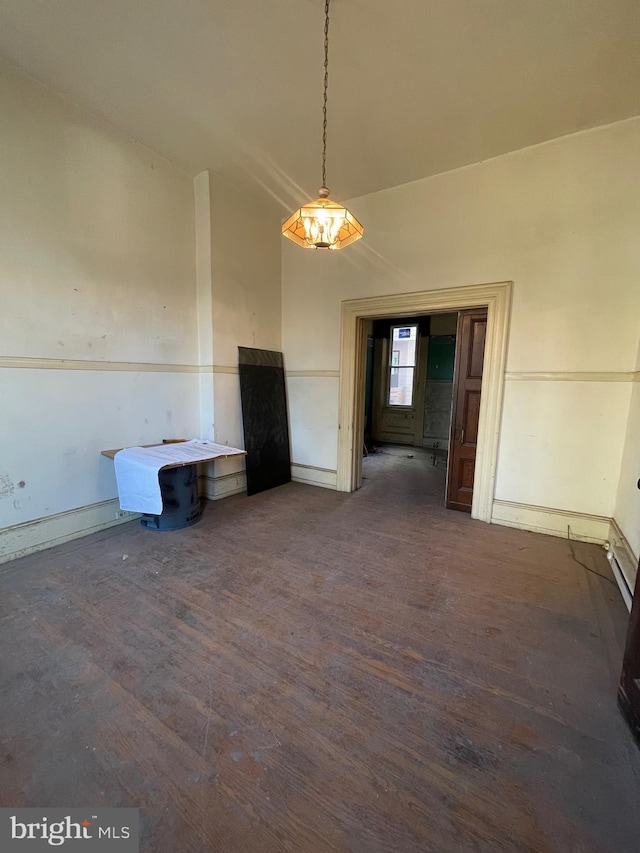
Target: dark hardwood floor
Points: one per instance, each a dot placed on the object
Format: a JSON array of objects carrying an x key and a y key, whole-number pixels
[{"x": 311, "y": 671}]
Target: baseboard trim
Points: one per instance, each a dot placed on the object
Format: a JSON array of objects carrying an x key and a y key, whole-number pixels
[
  {"x": 32, "y": 536},
  {"x": 224, "y": 486},
  {"x": 215, "y": 488},
  {"x": 326, "y": 478},
  {"x": 554, "y": 522},
  {"x": 41, "y": 533},
  {"x": 313, "y": 374},
  {"x": 623, "y": 553}
]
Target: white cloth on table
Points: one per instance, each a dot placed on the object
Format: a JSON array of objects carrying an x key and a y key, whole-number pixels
[{"x": 137, "y": 470}]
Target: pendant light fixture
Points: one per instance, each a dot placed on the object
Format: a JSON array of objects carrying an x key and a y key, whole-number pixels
[{"x": 323, "y": 224}]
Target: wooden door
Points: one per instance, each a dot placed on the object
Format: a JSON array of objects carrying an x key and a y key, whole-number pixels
[
  {"x": 629, "y": 688},
  {"x": 470, "y": 338}
]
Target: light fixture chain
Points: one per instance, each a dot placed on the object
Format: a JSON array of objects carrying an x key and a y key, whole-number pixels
[
  {"x": 326, "y": 86},
  {"x": 323, "y": 224}
]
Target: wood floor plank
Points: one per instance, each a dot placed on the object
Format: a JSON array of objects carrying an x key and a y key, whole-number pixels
[{"x": 312, "y": 671}]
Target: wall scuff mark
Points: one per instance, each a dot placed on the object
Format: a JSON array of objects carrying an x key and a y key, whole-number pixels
[{"x": 6, "y": 486}]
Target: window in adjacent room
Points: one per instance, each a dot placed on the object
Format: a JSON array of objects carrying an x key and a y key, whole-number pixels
[{"x": 403, "y": 354}]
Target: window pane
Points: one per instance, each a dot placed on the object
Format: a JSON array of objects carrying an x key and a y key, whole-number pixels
[
  {"x": 400, "y": 386},
  {"x": 403, "y": 345}
]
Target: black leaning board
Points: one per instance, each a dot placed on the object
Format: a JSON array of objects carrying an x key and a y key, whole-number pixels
[{"x": 264, "y": 419}]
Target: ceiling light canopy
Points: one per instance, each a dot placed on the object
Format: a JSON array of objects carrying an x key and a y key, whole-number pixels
[{"x": 323, "y": 224}]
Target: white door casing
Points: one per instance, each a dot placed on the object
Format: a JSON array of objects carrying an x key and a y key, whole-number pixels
[{"x": 497, "y": 299}]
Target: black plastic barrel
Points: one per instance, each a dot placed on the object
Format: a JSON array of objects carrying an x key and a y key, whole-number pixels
[{"x": 180, "y": 500}]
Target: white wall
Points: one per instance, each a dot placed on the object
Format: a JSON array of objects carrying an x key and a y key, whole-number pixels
[
  {"x": 97, "y": 268},
  {"x": 627, "y": 511},
  {"x": 239, "y": 298},
  {"x": 561, "y": 220},
  {"x": 102, "y": 345}
]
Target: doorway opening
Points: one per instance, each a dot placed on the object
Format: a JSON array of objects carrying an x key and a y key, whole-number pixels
[
  {"x": 423, "y": 383},
  {"x": 408, "y": 398},
  {"x": 496, "y": 299},
  {"x": 409, "y": 382}
]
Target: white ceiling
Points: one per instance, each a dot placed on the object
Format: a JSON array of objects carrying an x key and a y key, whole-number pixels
[{"x": 416, "y": 87}]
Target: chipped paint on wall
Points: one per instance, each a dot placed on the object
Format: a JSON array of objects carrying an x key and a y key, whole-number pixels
[{"x": 6, "y": 486}]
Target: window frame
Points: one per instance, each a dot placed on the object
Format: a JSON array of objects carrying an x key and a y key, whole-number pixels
[{"x": 391, "y": 366}]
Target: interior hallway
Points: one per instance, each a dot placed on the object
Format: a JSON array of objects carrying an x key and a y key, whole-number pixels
[{"x": 306, "y": 671}]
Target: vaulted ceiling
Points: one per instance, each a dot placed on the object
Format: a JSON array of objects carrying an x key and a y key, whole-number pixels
[{"x": 416, "y": 87}]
